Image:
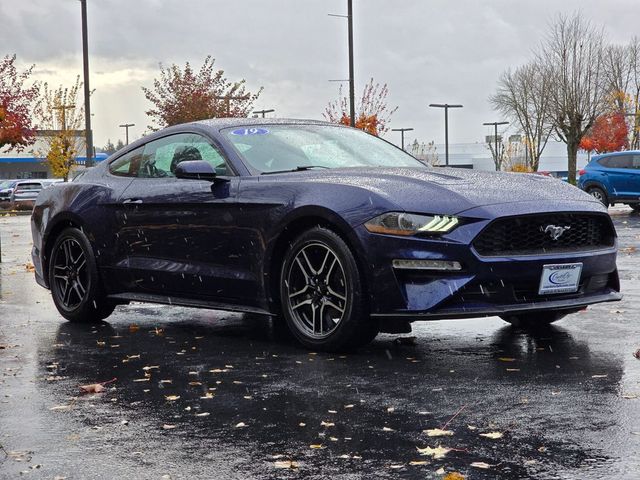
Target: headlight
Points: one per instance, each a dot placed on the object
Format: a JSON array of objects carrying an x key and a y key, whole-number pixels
[{"x": 397, "y": 223}]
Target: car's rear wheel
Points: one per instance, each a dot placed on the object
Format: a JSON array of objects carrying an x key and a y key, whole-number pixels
[
  {"x": 74, "y": 281},
  {"x": 534, "y": 320},
  {"x": 323, "y": 294},
  {"x": 599, "y": 194}
]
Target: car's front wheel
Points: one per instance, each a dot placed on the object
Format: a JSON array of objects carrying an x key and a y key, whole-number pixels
[
  {"x": 323, "y": 294},
  {"x": 534, "y": 320},
  {"x": 599, "y": 194},
  {"x": 74, "y": 281}
]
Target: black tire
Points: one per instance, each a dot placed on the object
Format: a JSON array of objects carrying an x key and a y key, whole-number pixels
[
  {"x": 599, "y": 194},
  {"x": 73, "y": 278},
  {"x": 534, "y": 320},
  {"x": 323, "y": 294}
]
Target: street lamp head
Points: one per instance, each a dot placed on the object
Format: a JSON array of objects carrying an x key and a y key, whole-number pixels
[
  {"x": 445, "y": 105},
  {"x": 495, "y": 123}
]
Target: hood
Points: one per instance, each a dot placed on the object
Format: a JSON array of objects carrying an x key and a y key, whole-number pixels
[{"x": 448, "y": 190}]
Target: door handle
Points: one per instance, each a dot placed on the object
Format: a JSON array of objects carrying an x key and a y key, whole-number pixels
[{"x": 132, "y": 200}]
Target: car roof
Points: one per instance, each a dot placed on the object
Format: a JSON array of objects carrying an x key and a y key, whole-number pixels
[
  {"x": 220, "y": 123},
  {"x": 615, "y": 154}
]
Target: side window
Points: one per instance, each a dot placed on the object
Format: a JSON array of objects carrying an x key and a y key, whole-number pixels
[
  {"x": 636, "y": 162},
  {"x": 162, "y": 156},
  {"x": 127, "y": 165},
  {"x": 618, "y": 161}
]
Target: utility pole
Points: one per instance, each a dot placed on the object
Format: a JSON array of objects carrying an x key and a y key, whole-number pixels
[
  {"x": 258, "y": 112},
  {"x": 87, "y": 92},
  {"x": 126, "y": 129},
  {"x": 402, "y": 130},
  {"x": 352, "y": 95},
  {"x": 227, "y": 100},
  {"x": 446, "y": 107},
  {"x": 495, "y": 136},
  {"x": 63, "y": 109}
]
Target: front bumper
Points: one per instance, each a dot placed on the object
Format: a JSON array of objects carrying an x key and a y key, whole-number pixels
[{"x": 485, "y": 286}]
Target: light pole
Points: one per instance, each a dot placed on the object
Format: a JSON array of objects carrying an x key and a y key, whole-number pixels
[
  {"x": 87, "y": 92},
  {"x": 64, "y": 108},
  {"x": 495, "y": 135},
  {"x": 227, "y": 100},
  {"x": 352, "y": 96},
  {"x": 126, "y": 130},
  {"x": 258, "y": 112},
  {"x": 402, "y": 130},
  {"x": 446, "y": 107}
]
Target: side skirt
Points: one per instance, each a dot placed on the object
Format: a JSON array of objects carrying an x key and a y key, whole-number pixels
[{"x": 186, "y": 302}]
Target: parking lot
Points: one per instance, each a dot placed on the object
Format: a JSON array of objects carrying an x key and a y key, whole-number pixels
[{"x": 208, "y": 394}]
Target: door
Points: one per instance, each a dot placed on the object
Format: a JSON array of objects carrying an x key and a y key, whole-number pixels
[
  {"x": 183, "y": 238},
  {"x": 619, "y": 174}
]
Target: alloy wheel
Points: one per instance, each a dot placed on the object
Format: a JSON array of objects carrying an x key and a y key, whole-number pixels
[
  {"x": 71, "y": 277},
  {"x": 317, "y": 290}
]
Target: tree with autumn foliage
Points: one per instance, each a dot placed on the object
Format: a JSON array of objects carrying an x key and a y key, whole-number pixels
[
  {"x": 609, "y": 133},
  {"x": 17, "y": 100},
  {"x": 372, "y": 112},
  {"x": 60, "y": 115},
  {"x": 183, "y": 95}
]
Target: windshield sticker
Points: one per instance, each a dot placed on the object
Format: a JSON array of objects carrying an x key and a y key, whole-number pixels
[{"x": 250, "y": 131}]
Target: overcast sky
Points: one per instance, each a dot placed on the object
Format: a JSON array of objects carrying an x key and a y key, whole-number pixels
[{"x": 427, "y": 51}]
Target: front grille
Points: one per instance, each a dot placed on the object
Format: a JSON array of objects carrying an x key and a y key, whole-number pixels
[{"x": 526, "y": 235}]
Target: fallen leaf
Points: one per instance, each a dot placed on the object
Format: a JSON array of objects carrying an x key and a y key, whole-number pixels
[
  {"x": 327, "y": 424},
  {"x": 387, "y": 429},
  {"x": 492, "y": 435},
  {"x": 288, "y": 464},
  {"x": 507, "y": 359},
  {"x": 151, "y": 367},
  {"x": 630, "y": 396},
  {"x": 240, "y": 425},
  {"x": 471, "y": 427},
  {"x": 92, "y": 388},
  {"x": 391, "y": 409},
  {"x": 167, "y": 426},
  {"x": 133, "y": 328},
  {"x": 637, "y": 354},
  {"x": 600, "y": 376},
  {"x": 29, "y": 267},
  {"x": 316, "y": 446},
  {"x": 418, "y": 462},
  {"x": 396, "y": 466},
  {"x": 60, "y": 407},
  {"x": 437, "y": 452},
  {"x": 481, "y": 465},
  {"x": 351, "y": 405},
  {"x": 203, "y": 414},
  {"x": 207, "y": 396},
  {"x": 437, "y": 432},
  {"x": 440, "y": 471},
  {"x": 172, "y": 398},
  {"x": 453, "y": 476}
]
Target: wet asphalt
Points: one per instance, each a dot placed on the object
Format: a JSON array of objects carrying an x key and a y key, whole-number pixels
[{"x": 208, "y": 394}]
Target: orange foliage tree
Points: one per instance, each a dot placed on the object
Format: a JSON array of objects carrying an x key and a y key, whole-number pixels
[
  {"x": 372, "y": 112},
  {"x": 183, "y": 95},
  {"x": 609, "y": 133}
]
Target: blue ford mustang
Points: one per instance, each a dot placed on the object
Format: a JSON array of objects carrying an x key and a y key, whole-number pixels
[{"x": 337, "y": 232}]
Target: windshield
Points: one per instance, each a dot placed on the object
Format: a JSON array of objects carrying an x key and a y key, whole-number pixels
[
  {"x": 275, "y": 148},
  {"x": 6, "y": 184}
]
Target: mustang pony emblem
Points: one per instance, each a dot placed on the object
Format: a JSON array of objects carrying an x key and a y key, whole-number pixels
[{"x": 554, "y": 232}]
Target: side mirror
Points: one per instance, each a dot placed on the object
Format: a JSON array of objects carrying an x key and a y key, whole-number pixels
[{"x": 196, "y": 170}]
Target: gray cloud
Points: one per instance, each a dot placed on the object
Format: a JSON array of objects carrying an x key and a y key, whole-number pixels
[{"x": 427, "y": 51}]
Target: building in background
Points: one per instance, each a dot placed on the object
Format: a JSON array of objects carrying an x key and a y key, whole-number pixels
[{"x": 30, "y": 163}]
